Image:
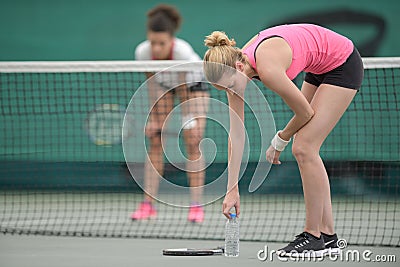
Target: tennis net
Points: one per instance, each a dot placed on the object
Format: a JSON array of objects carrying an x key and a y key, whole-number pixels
[{"x": 64, "y": 169}]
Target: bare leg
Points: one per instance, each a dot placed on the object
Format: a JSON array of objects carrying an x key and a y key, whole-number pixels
[
  {"x": 196, "y": 163},
  {"x": 329, "y": 103},
  {"x": 153, "y": 168},
  {"x": 154, "y": 165}
]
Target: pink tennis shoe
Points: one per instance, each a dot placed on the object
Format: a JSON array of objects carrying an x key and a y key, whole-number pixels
[
  {"x": 196, "y": 214},
  {"x": 145, "y": 211}
]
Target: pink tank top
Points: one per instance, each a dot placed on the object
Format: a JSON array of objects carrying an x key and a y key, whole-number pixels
[{"x": 315, "y": 49}]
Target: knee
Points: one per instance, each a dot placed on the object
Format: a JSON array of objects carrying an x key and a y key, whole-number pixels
[{"x": 303, "y": 151}]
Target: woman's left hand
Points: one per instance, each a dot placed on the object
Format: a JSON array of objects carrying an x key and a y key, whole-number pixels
[{"x": 272, "y": 155}]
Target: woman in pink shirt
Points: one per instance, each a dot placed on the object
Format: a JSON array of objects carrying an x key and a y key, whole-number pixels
[{"x": 334, "y": 72}]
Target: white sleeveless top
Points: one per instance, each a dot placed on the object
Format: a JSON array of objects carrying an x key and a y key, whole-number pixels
[{"x": 182, "y": 50}]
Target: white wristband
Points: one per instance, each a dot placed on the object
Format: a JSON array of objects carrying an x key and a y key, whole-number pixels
[{"x": 278, "y": 143}]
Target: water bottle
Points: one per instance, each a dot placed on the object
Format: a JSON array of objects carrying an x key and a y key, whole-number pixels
[{"x": 232, "y": 237}]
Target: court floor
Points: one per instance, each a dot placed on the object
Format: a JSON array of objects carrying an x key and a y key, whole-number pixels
[{"x": 22, "y": 250}]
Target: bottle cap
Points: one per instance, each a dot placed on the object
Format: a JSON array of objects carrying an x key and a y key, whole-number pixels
[{"x": 233, "y": 215}]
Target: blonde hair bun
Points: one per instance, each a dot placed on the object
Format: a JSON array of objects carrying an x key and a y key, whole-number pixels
[{"x": 218, "y": 38}]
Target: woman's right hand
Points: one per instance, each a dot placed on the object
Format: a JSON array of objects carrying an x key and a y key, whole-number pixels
[{"x": 232, "y": 199}]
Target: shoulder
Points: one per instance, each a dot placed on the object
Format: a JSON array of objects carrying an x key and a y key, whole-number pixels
[
  {"x": 143, "y": 51},
  {"x": 184, "y": 51},
  {"x": 273, "y": 53}
]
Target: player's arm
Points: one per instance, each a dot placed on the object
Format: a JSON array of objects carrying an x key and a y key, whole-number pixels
[
  {"x": 152, "y": 87},
  {"x": 273, "y": 59},
  {"x": 183, "y": 93},
  {"x": 154, "y": 92},
  {"x": 236, "y": 142},
  {"x": 184, "y": 51},
  {"x": 142, "y": 52}
]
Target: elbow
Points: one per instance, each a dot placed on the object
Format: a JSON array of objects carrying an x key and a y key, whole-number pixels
[
  {"x": 305, "y": 116},
  {"x": 308, "y": 115}
]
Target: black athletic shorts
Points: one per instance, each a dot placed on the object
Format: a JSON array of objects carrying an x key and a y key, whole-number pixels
[{"x": 349, "y": 75}]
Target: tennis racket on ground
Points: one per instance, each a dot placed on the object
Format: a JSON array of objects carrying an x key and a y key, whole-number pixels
[{"x": 193, "y": 251}]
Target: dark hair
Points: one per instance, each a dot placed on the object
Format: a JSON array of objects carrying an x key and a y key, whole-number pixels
[{"x": 164, "y": 18}]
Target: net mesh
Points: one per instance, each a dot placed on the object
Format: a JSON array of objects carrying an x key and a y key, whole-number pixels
[{"x": 63, "y": 174}]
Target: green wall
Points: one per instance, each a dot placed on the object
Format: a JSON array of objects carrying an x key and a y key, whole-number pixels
[{"x": 109, "y": 30}]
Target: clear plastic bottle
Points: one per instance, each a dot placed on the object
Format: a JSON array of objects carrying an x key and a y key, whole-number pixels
[{"x": 232, "y": 237}]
